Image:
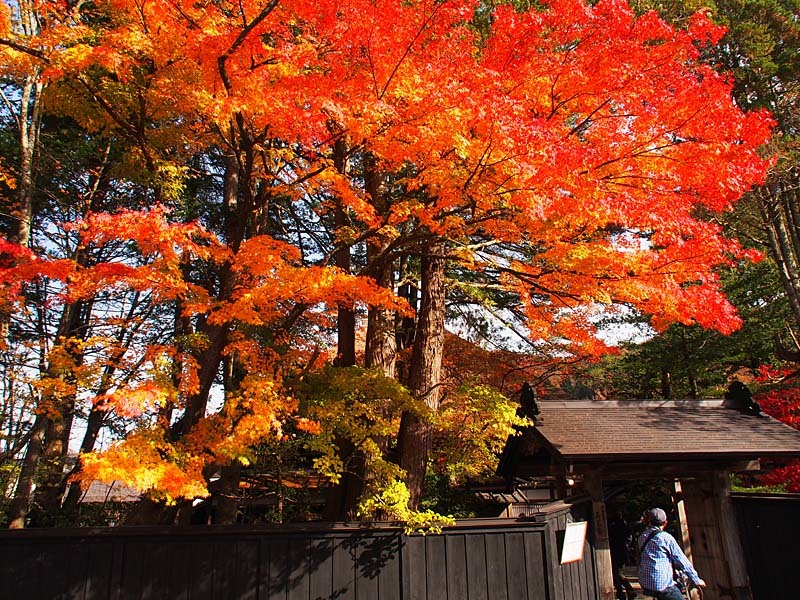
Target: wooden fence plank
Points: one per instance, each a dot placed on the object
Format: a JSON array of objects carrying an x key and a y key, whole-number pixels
[
  {"x": 320, "y": 568},
  {"x": 436, "y": 567},
  {"x": 52, "y": 578},
  {"x": 343, "y": 568},
  {"x": 98, "y": 571},
  {"x": 414, "y": 562},
  {"x": 455, "y": 547},
  {"x": 476, "y": 567},
  {"x": 769, "y": 528},
  {"x": 77, "y": 570},
  {"x": 182, "y": 570},
  {"x": 132, "y": 575},
  {"x": 201, "y": 571},
  {"x": 536, "y": 567},
  {"x": 298, "y": 567},
  {"x": 496, "y": 576},
  {"x": 277, "y": 586},
  {"x": 515, "y": 566},
  {"x": 262, "y": 581},
  {"x": 369, "y": 552},
  {"x": 224, "y": 568},
  {"x": 247, "y": 567},
  {"x": 389, "y": 568}
]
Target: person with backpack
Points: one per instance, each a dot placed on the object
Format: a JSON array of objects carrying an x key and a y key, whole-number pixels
[{"x": 659, "y": 556}]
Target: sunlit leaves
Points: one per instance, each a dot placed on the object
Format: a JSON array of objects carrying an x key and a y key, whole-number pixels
[
  {"x": 472, "y": 426},
  {"x": 566, "y": 156},
  {"x": 146, "y": 461}
]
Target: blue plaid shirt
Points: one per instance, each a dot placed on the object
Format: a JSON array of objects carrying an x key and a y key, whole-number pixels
[{"x": 657, "y": 559}]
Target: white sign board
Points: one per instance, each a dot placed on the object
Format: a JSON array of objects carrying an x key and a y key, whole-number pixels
[{"x": 574, "y": 540}]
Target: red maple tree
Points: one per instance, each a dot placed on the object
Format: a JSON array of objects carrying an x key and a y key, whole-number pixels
[{"x": 561, "y": 155}]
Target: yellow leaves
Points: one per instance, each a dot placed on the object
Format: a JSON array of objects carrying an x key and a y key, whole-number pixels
[
  {"x": 170, "y": 180},
  {"x": 392, "y": 501},
  {"x": 145, "y": 461},
  {"x": 471, "y": 428},
  {"x": 360, "y": 405},
  {"x": 7, "y": 178},
  {"x": 603, "y": 297},
  {"x": 71, "y": 60},
  {"x": 575, "y": 254}
]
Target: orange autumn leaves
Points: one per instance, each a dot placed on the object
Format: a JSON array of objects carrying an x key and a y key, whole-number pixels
[
  {"x": 270, "y": 281},
  {"x": 565, "y": 153}
]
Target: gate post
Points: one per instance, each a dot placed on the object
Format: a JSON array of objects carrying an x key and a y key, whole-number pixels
[{"x": 602, "y": 548}]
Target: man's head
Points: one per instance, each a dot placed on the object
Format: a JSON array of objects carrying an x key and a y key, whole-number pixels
[{"x": 656, "y": 516}]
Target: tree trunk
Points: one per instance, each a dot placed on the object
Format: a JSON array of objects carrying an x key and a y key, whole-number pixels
[
  {"x": 23, "y": 494},
  {"x": 73, "y": 328},
  {"x": 414, "y": 438},
  {"x": 29, "y": 126},
  {"x": 346, "y": 316},
  {"x": 226, "y": 493},
  {"x": 29, "y": 122},
  {"x": 93, "y": 425},
  {"x": 666, "y": 384},
  {"x": 342, "y": 498},
  {"x": 217, "y": 335},
  {"x": 405, "y": 325},
  {"x": 49, "y": 443},
  {"x": 381, "y": 345}
]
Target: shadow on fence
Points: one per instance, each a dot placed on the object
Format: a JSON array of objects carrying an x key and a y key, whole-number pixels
[{"x": 482, "y": 559}]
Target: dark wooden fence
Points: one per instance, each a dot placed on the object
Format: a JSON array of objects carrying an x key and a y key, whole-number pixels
[
  {"x": 475, "y": 560},
  {"x": 769, "y": 527},
  {"x": 574, "y": 580}
]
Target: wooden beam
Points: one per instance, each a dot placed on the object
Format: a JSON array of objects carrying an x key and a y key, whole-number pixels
[
  {"x": 680, "y": 505},
  {"x": 593, "y": 485},
  {"x": 731, "y": 542},
  {"x": 638, "y": 471}
]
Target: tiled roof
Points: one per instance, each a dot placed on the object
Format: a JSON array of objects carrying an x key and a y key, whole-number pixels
[{"x": 645, "y": 430}]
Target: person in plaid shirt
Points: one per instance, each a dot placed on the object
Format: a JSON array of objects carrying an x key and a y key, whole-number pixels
[{"x": 660, "y": 553}]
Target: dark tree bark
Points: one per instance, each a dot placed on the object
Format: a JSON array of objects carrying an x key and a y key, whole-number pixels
[
  {"x": 414, "y": 438},
  {"x": 56, "y": 439},
  {"x": 48, "y": 443},
  {"x": 226, "y": 494},
  {"x": 666, "y": 384},
  {"x": 381, "y": 345},
  {"x": 23, "y": 494},
  {"x": 342, "y": 498},
  {"x": 346, "y": 316}
]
